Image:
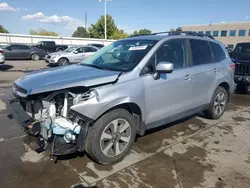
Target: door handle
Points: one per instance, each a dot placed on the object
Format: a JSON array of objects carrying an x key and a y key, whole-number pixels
[{"x": 188, "y": 77}]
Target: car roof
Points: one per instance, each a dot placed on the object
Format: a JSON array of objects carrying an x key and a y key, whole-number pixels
[
  {"x": 178, "y": 34},
  {"x": 147, "y": 37}
]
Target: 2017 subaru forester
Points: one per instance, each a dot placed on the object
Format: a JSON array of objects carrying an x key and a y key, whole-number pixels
[{"x": 126, "y": 88}]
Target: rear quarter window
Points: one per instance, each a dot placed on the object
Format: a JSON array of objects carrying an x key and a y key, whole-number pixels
[
  {"x": 218, "y": 52},
  {"x": 201, "y": 52}
]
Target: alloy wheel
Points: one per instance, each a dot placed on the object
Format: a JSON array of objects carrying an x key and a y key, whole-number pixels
[
  {"x": 219, "y": 103},
  {"x": 115, "y": 137}
]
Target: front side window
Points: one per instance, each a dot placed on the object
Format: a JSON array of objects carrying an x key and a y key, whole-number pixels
[
  {"x": 232, "y": 33},
  {"x": 219, "y": 54},
  {"x": 224, "y": 33},
  {"x": 173, "y": 51},
  {"x": 242, "y": 49},
  {"x": 215, "y": 33},
  {"x": 121, "y": 55},
  {"x": 201, "y": 52},
  {"x": 80, "y": 50},
  {"x": 242, "y": 32}
]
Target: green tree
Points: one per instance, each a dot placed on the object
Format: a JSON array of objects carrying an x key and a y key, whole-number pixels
[
  {"x": 81, "y": 32},
  {"x": 97, "y": 30},
  {"x": 142, "y": 32},
  {"x": 42, "y": 32},
  {"x": 119, "y": 34},
  {"x": 3, "y": 30},
  {"x": 179, "y": 29}
]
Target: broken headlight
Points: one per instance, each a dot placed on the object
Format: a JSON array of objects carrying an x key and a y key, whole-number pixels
[{"x": 92, "y": 93}]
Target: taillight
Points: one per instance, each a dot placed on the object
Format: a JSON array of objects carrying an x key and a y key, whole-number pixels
[
  {"x": 232, "y": 65},
  {"x": 1, "y": 51}
]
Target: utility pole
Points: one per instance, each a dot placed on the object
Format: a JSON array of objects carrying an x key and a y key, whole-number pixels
[
  {"x": 105, "y": 17},
  {"x": 86, "y": 20}
]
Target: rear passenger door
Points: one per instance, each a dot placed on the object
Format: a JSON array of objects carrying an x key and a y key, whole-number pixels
[
  {"x": 89, "y": 51},
  {"x": 203, "y": 71},
  {"x": 24, "y": 51}
]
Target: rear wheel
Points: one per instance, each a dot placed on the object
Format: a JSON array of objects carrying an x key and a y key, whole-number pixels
[
  {"x": 35, "y": 57},
  {"x": 111, "y": 137},
  {"x": 218, "y": 104},
  {"x": 63, "y": 62}
]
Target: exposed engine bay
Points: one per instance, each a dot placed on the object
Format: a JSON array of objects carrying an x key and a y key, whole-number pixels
[{"x": 56, "y": 126}]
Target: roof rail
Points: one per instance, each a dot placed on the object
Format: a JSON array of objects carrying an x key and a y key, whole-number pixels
[{"x": 170, "y": 33}]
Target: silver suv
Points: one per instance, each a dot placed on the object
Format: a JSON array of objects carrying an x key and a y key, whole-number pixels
[{"x": 126, "y": 88}]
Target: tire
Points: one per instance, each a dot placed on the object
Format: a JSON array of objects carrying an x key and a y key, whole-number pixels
[
  {"x": 100, "y": 137},
  {"x": 63, "y": 61},
  {"x": 218, "y": 104},
  {"x": 59, "y": 50},
  {"x": 35, "y": 57},
  {"x": 247, "y": 90}
]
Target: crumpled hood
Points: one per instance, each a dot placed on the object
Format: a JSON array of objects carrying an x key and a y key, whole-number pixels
[{"x": 65, "y": 77}]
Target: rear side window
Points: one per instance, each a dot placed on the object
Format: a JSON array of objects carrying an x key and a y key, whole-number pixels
[
  {"x": 219, "y": 54},
  {"x": 50, "y": 44},
  {"x": 201, "y": 52},
  {"x": 23, "y": 47},
  {"x": 90, "y": 49}
]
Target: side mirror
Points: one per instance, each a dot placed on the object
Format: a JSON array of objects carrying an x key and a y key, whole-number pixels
[
  {"x": 163, "y": 67},
  {"x": 75, "y": 52}
]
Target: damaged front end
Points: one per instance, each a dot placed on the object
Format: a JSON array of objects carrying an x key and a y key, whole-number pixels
[{"x": 49, "y": 117}]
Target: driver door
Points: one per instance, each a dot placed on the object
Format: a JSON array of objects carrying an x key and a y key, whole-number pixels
[{"x": 170, "y": 94}]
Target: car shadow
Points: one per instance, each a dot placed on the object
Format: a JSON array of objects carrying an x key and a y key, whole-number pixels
[
  {"x": 165, "y": 126},
  {"x": 81, "y": 186},
  {"x": 240, "y": 89},
  {"x": 5, "y": 67}
]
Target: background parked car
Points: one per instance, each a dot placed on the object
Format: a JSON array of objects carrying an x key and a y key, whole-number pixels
[
  {"x": 99, "y": 46},
  {"x": 21, "y": 51},
  {"x": 50, "y": 46},
  {"x": 71, "y": 55},
  {"x": 2, "y": 57}
]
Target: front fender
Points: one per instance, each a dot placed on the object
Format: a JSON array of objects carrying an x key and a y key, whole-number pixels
[
  {"x": 94, "y": 109},
  {"x": 119, "y": 101}
]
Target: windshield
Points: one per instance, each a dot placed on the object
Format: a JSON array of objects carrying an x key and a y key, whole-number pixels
[
  {"x": 70, "y": 49},
  {"x": 121, "y": 55},
  {"x": 243, "y": 48}
]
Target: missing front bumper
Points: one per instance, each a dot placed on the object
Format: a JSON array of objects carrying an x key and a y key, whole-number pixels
[{"x": 56, "y": 144}]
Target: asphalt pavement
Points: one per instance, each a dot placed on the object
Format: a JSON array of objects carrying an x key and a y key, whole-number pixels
[{"x": 195, "y": 152}]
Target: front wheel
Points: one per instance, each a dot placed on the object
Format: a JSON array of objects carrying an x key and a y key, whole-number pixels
[
  {"x": 111, "y": 137},
  {"x": 63, "y": 62},
  {"x": 218, "y": 104},
  {"x": 35, "y": 57}
]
